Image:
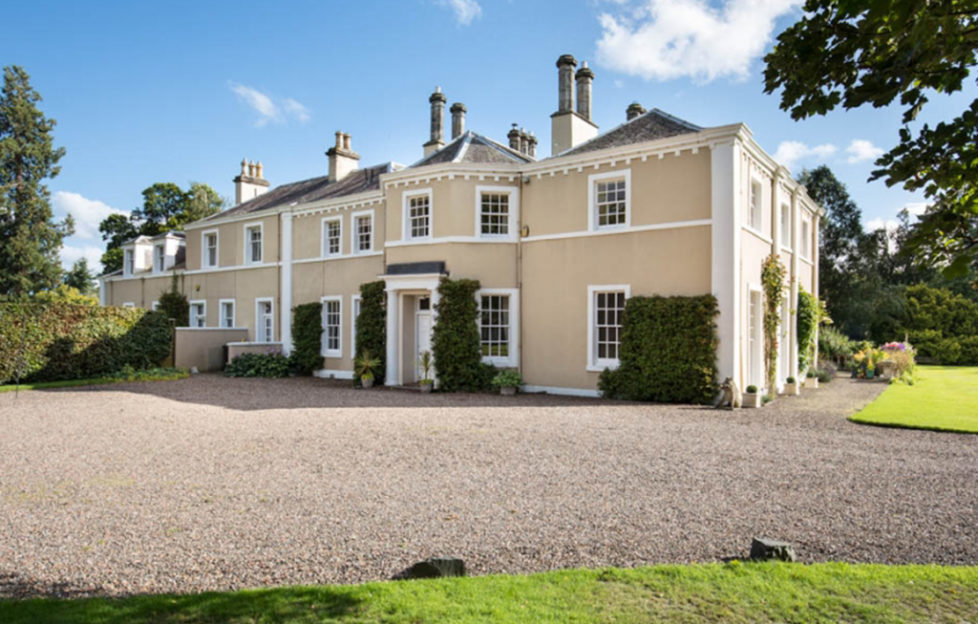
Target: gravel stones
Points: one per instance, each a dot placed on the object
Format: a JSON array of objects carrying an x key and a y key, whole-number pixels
[{"x": 214, "y": 483}]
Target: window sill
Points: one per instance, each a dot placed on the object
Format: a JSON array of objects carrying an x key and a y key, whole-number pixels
[
  {"x": 600, "y": 365},
  {"x": 333, "y": 354},
  {"x": 499, "y": 362}
]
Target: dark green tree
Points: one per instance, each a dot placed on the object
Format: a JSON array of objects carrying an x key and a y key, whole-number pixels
[
  {"x": 174, "y": 304},
  {"x": 856, "y": 53},
  {"x": 371, "y": 335},
  {"x": 80, "y": 277},
  {"x": 116, "y": 229},
  {"x": 30, "y": 239}
]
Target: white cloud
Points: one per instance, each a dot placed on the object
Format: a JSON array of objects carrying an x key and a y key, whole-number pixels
[
  {"x": 87, "y": 213},
  {"x": 890, "y": 225},
  {"x": 791, "y": 152},
  {"x": 269, "y": 110},
  {"x": 861, "y": 150},
  {"x": 666, "y": 39},
  {"x": 465, "y": 10},
  {"x": 916, "y": 208}
]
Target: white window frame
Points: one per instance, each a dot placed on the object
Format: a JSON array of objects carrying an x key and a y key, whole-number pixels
[
  {"x": 513, "y": 359},
  {"x": 220, "y": 312},
  {"x": 406, "y": 210},
  {"x": 154, "y": 306},
  {"x": 355, "y": 301},
  {"x": 757, "y": 226},
  {"x": 128, "y": 304},
  {"x": 203, "y": 313},
  {"x": 592, "y": 199},
  {"x": 325, "y": 240},
  {"x": 159, "y": 256},
  {"x": 355, "y": 234},
  {"x": 805, "y": 234},
  {"x": 338, "y": 351},
  {"x": 513, "y": 217},
  {"x": 258, "y": 328},
  {"x": 128, "y": 262},
  {"x": 204, "y": 260},
  {"x": 594, "y": 363},
  {"x": 247, "y": 242},
  {"x": 786, "y": 226}
]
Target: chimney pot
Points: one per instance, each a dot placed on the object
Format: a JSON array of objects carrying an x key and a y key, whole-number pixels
[
  {"x": 251, "y": 169},
  {"x": 514, "y": 138},
  {"x": 258, "y": 168},
  {"x": 458, "y": 119},
  {"x": 244, "y": 167},
  {"x": 565, "y": 83},
  {"x": 634, "y": 110},
  {"x": 584, "y": 79},
  {"x": 339, "y": 140},
  {"x": 342, "y": 159},
  {"x": 437, "y": 140},
  {"x": 346, "y": 142}
]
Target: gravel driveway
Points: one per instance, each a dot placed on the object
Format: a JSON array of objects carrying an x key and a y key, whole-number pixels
[{"x": 212, "y": 483}]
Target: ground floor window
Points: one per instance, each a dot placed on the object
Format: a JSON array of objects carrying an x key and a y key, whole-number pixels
[
  {"x": 332, "y": 321},
  {"x": 497, "y": 326},
  {"x": 606, "y": 309},
  {"x": 355, "y": 301},
  {"x": 227, "y": 313},
  {"x": 264, "y": 320},
  {"x": 198, "y": 313}
]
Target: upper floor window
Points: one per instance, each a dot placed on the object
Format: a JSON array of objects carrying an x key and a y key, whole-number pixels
[
  {"x": 363, "y": 232},
  {"x": 417, "y": 214},
  {"x": 253, "y": 243},
  {"x": 494, "y": 214},
  {"x": 786, "y": 225},
  {"x": 806, "y": 239},
  {"x": 159, "y": 258},
  {"x": 610, "y": 199},
  {"x": 210, "y": 249},
  {"x": 332, "y": 234},
  {"x": 128, "y": 262},
  {"x": 606, "y": 308},
  {"x": 198, "y": 313},
  {"x": 756, "y": 212}
]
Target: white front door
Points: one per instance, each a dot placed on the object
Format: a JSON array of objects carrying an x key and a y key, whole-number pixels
[{"x": 422, "y": 334}]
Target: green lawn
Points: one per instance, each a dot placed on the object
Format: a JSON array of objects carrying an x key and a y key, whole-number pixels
[
  {"x": 733, "y": 592},
  {"x": 944, "y": 398},
  {"x": 152, "y": 374}
]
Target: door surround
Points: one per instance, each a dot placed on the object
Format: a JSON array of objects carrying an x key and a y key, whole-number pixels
[{"x": 397, "y": 288}]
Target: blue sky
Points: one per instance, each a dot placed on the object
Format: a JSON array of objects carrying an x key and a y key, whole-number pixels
[{"x": 182, "y": 91}]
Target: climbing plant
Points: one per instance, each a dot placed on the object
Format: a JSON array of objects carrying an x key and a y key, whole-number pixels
[
  {"x": 808, "y": 313},
  {"x": 455, "y": 340},
  {"x": 371, "y": 335},
  {"x": 772, "y": 281}
]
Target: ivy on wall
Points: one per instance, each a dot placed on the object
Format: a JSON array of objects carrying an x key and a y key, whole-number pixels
[
  {"x": 667, "y": 352},
  {"x": 772, "y": 281},
  {"x": 808, "y": 313},
  {"x": 174, "y": 304},
  {"x": 455, "y": 339},
  {"x": 307, "y": 334},
  {"x": 372, "y": 328}
]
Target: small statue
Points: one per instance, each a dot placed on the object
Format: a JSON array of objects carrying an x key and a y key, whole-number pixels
[{"x": 729, "y": 396}]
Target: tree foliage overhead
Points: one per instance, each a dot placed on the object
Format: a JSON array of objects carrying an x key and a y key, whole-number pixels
[
  {"x": 165, "y": 207},
  {"x": 855, "y": 53},
  {"x": 30, "y": 240}
]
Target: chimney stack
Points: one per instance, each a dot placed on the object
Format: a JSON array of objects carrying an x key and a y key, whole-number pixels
[
  {"x": 250, "y": 183},
  {"x": 514, "y": 138},
  {"x": 634, "y": 110},
  {"x": 342, "y": 159},
  {"x": 437, "y": 140},
  {"x": 565, "y": 78},
  {"x": 458, "y": 120},
  {"x": 532, "y": 153},
  {"x": 584, "y": 78}
]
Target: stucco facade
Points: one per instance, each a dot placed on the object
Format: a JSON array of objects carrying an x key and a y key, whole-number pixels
[{"x": 692, "y": 211}]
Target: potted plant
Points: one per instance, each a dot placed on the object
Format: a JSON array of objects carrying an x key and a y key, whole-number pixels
[
  {"x": 791, "y": 388},
  {"x": 751, "y": 397},
  {"x": 425, "y": 362},
  {"x": 363, "y": 367},
  {"x": 507, "y": 381},
  {"x": 811, "y": 381}
]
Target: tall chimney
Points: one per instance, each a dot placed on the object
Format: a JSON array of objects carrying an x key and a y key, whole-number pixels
[
  {"x": 533, "y": 146},
  {"x": 437, "y": 141},
  {"x": 249, "y": 184},
  {"x": 458, "y": 120},
  {"x": 342, "y": 159},
  {"x": 634, "y": 110},
  {"x": 514, "y": 138},
  {"x": 584, "y": 78},
  {"x": 524, "y": 142},
  {"x": 565, "y": 89}
]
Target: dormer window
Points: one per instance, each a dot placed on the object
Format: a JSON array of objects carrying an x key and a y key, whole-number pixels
[
  {"x": 159, "y": 258},
  {"x": 128, "y": 262}
]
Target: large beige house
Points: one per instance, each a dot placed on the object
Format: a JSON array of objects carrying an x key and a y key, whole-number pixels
[{"x": 655, "y": 205}]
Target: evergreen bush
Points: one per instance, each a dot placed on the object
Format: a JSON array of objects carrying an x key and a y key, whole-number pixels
[
  {"x": 455, "y": 341},
  {"x": 52, "y": 342},
  {"x": 372, "y": 328},
  {"x": 307, "y": 332},
  {"x": 668, "y": 351},
  {"x": 175, "y": 305},
  {"x": 808, "y": 309},
  {"x": 941, "y": 325},
  {"x": 258, "y": 365}
]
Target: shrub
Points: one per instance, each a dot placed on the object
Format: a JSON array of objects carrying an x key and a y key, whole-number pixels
[
  {"x": 826, "y": 371},
  {"x": 455, "y": 341},
  {"x": 364, "y": 366},
  {"x": 372, "y": 328},
  {"x": 752, "y": 389},
  {"x": 174, "y": 305},
  {"x": 52, "y": 342},
  {"x": 258, "y": 365},
  {"x": 807, "y": 322},
  {"x": 835, "y": 346},
  {"x": 508, "y": 378},
  {"x": 941, "y": 325},
  {"x": 307, "y": 332},
  {"x": 790, "y": 380},
  {"x": 667, "y": 352}
]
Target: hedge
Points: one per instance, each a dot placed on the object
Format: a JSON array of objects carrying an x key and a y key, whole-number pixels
[
  {"x": 372, "y": 327},
  {"x": 455, "y": 341},
  {"x": 175, "y": 305},
  {"x": 807, "y": 322},
  {"x": 941, "y": 325},
  {"x": 46, "y": 342},
  {"x": 307, "y": 334},
  {"x": 667, "y": 352}
]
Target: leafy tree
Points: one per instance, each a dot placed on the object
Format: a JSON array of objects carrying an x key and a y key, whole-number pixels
[
  {"x": 856, "y": 53},
  {"x": 174, "y": 304},
  {"x": 80, "y": 278},
  {"x": 30, "y": 240}
]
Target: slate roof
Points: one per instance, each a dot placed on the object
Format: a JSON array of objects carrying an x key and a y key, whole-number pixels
[
  {"x": 655, "y": 124},
  {"x": 472, "y": 147},
  {"x": 313, "y": 189}
]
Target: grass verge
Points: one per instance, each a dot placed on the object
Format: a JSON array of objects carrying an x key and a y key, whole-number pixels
[
  {"x": 150, "y": 374},
  {"x": 944, "y": 398},
  {"x": 733, "y": 592}
]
